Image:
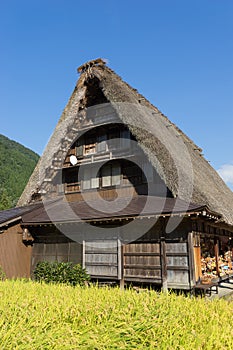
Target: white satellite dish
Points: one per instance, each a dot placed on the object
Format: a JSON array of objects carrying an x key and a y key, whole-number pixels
[{"x": 73, "y": 160}]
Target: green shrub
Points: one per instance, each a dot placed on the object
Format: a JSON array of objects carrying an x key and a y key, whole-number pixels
[{"x": 63, "y": 272}]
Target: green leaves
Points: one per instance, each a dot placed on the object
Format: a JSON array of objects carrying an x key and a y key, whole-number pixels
[
  {"x": 64, "y": 272},
  {"x": 16, "y": 166},
  {"x": 5, "y": 201}
]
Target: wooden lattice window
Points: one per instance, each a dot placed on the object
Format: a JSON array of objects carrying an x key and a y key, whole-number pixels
[{"x": 90, "y": 148}]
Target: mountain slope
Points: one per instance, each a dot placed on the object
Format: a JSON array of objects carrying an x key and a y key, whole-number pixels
[{"x": 16, "y": 165}]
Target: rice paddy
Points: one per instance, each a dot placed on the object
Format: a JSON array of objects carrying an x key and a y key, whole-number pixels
[{"x": 40, "y": 316}]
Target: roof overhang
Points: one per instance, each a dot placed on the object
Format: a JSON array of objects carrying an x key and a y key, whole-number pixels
[
  {"x": 61, "y": 212},
  {"x": 7, "y": 223}
]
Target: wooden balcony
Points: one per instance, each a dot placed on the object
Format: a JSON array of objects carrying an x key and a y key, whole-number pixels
[
  {"x": 99, "y": 157},
  {"x": 72, "y": 187}
]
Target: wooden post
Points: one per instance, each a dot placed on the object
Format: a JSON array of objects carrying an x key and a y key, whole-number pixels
[
  {"x": 163, "y": 264},
  {"x": 120, "y": 264},
  {"x": 197, "y": 256},
  {"x": 122, "y": 284},
  {"x": 83, "y": 259},
  {"x": 231, "y": 247},
  {"x": 216, "y": 253},
  {"x": 192, "y": 269}
]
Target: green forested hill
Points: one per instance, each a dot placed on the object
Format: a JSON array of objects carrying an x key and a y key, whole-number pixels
[{"x": 16, "y": 165}]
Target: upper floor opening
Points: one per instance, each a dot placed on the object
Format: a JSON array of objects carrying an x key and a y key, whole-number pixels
[
  {"x": 108, "y": 158},
  {"x": 103, "y": 142},
  {"x": 122, "y": 175}
]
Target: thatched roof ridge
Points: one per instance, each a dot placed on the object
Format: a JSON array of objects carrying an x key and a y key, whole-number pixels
[{"x": 177, "y": 159}]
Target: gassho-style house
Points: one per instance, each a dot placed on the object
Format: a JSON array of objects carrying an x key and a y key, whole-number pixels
[{"x": 123, "y": 191}]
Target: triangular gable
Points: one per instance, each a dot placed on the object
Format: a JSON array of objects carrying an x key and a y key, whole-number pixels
[{"x": 175, "y": 157}]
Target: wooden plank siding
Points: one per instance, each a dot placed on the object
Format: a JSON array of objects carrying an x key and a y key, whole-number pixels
[
  {"x": 178, "y": 270},
  {"x": 61, "y": 252},
  {"x": 102, "y": 258},
  {"x": 107, "y": 194},
  {"x": 161, "y": 263},
  {"x": 142, "y": 262},
  {"x": 158, "y": 258},
  {"x": 15, "y": 257},
  {"x": 170, "y": 260}
]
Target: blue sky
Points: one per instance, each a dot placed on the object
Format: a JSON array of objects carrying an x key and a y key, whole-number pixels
[{"x": 177, "y": 53}]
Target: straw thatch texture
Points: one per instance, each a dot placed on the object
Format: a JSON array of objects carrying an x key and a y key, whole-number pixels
[{"x": 176, "y": 158}]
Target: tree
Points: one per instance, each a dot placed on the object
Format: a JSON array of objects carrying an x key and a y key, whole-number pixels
[{"x": 5, "y": 200}]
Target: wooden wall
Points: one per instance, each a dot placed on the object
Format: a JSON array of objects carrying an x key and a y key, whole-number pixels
[
  {"x": 61, "y": 252},
  {"x": 102, "y": 259},
  {"x": 142, "y": 262},
  {"x": 155, "y": 258},
  {"x": 178, "y": 267},
  {"x": 15, "y": 257},
  {"x": 105, "y": 194}
]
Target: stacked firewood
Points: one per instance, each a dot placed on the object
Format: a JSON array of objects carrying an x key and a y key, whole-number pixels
[{"x": 208, "y": 266}]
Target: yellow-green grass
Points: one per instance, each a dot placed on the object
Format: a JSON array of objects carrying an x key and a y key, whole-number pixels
[{"x": 40, "y": 316}]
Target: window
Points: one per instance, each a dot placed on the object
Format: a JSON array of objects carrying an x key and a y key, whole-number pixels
[
  {"x": 102, "y": 143},
  {"x": 86, "y": 179},
  {"x": 106, "y": 175},
  {"x": 113, "y": 139},
  {"x": 95, "y": 181},
  {"x": 90, "y": 180},
  {"x": 79, "y": 151},
  {"x": 116, "y": 174},
  {"x": 103, "y": 140},
  {"x": 90, "y": 145},
  {"x": 111, "y": 175},
  {"x": 89, "y": 149},
  {"x": 71, "y": 181}
]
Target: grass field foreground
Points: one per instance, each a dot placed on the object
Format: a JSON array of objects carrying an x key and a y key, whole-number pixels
[{"x": 40, "y": 316}]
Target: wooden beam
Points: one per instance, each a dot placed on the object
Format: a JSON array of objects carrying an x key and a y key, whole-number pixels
[
  {"x": 83, "y": 259},
  {"x": 163, "y": 264},
  {"x": 120, "y": 263},
  {"x": 216, "y": 253},
  {"x": 191, "y": 259}
]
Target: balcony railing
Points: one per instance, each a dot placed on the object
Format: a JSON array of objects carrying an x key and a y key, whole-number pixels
[
  {"x": 72, "y": 187},
  {"x": 100, "y": 156}
]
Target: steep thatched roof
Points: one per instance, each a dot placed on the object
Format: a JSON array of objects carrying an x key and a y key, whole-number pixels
[{"x": 176, "y": 158}]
